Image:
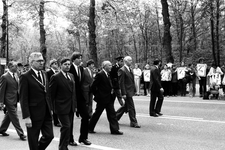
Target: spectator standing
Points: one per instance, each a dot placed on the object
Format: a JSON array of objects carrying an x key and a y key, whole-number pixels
[
  {"x": 166, "y": 76},
  {"x": 182, "y": 80},
  {"x": 202, "y": 73},
  {"x": 174, "y": 81},
  {"x": 137, "y": 76},
  {"x": 146, "y": 77}
]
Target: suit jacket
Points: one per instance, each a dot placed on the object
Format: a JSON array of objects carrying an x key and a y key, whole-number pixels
[
  {"x": 49, "y": 73},
  {"x": 155, "y": 79},
  {"x": 86, "y": 81},
  {"x": 34, "y": 96},
  {"x": 8, "y": 89},
  {"x": 63, "y": 94},
  {"x": 126, "y": 82},
  {"x": 77, "y": 80},
  {"x": 102, "y": 88}
]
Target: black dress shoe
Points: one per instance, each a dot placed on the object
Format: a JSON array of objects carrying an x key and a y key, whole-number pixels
[
  {"x": 86, "y": 142},
  {"x": 4, "y": 134},
  {"x": 91, "y": 131},
  {"x": 154, "y": 115},
  {"x": 23, "y": 137},
  {"x": 135, "y": 126},
  {"x": 117, "y": 133},
  {"x": 158, "y": 113},
  {"x": 73, "y": 143}
]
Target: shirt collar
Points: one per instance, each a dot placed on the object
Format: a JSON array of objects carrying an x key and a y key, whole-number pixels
[
  {"x": 35, "y": 71},
  {"x": 105, "y": 72},
  {"x": 11, "y": 73},
  {"x": 128, "y": 68}
]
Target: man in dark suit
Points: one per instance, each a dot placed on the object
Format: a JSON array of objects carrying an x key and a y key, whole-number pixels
[
  {"x": 9, "y": 97},
  {"x": 128, "y": 90},
  {"x": 86, "y": 82},
  {"x": 114, "y": 78},
  {"x": 104, "y": 96},
  {"x": 53, "y": 69},
  {"x": 35, "y": 104},
  {"x": 62, "y": 88},
  {"x": 82, "y": 108},
  {"x": 156, "y": 90}
]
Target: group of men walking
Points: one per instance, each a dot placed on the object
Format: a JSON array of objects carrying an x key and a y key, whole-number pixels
[{"x": 70, "y": 91}]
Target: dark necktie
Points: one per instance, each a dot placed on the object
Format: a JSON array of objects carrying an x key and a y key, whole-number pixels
[
  {"x": 67, "y": 77},
  {"x": 39, "y": 76},
  {"x": 14, "y": 76}
]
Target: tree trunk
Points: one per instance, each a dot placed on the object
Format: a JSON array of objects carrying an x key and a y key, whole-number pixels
[
  {"x": 4, "y": 34},
  {"x": 193, "y": 27},
  {"x": 167, "y": 36},
  {"x": 43, "y": 48},
  {"x": 92, "y": 35},
  {"x": 212, "y": 31},
  {"x": 181, "y": 36},
  {"x": 217, "y": 30},
  {"x": 159, "y": 33}
]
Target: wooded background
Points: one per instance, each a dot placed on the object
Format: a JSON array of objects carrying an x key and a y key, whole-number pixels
[{"x": 171, "y": 30}]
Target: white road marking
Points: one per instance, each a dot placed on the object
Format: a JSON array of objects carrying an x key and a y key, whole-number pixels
[
  {"x": 219, "y": 102},
  {"x": 92, "y": 146},
  {"x": 183, "y": 118}
]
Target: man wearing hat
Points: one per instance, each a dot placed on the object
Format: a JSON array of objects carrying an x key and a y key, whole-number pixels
[
  {"x": 114, "y": 78},
  {"x": 53, "y": 69}
]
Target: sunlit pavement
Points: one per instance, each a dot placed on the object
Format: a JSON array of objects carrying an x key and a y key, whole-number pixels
[{"x": 187, "y": 124}]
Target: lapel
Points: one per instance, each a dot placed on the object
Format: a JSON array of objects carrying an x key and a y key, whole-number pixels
[
  {"x": 65, "y": 81},
  {"x": 107, "y": 79},
  {"x": 86, "y": 71},
  {"x": 130, "y": 74},
  {"x": 11, "y": 78},
  {"x": 34, "y": 76}
]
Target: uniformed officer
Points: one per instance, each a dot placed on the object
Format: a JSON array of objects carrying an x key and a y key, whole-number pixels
[{"x": 114, "y": 78}]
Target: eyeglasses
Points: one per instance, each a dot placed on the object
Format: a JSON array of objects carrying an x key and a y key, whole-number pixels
[{"x": 39, "y": 61}]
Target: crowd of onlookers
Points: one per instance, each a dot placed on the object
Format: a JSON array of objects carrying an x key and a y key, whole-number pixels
[{"x": 182, "y": 79}]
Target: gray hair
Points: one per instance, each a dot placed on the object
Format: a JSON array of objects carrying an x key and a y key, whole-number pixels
[
  {"x": 35, "y": 56},
  {"x": 127, "y": 58},
  {"x": 104, "y": 63}
]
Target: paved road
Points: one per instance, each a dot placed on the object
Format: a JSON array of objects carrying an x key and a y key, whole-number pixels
[{"x": 187, "y": 124}]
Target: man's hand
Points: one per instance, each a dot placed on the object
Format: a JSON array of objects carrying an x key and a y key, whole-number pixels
[
  {"x": 124, "y": 96},
  {"x": 28, "y": 122},
  {"x": 120, "y": 100},
  {"x": 161, "y": 90}
]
